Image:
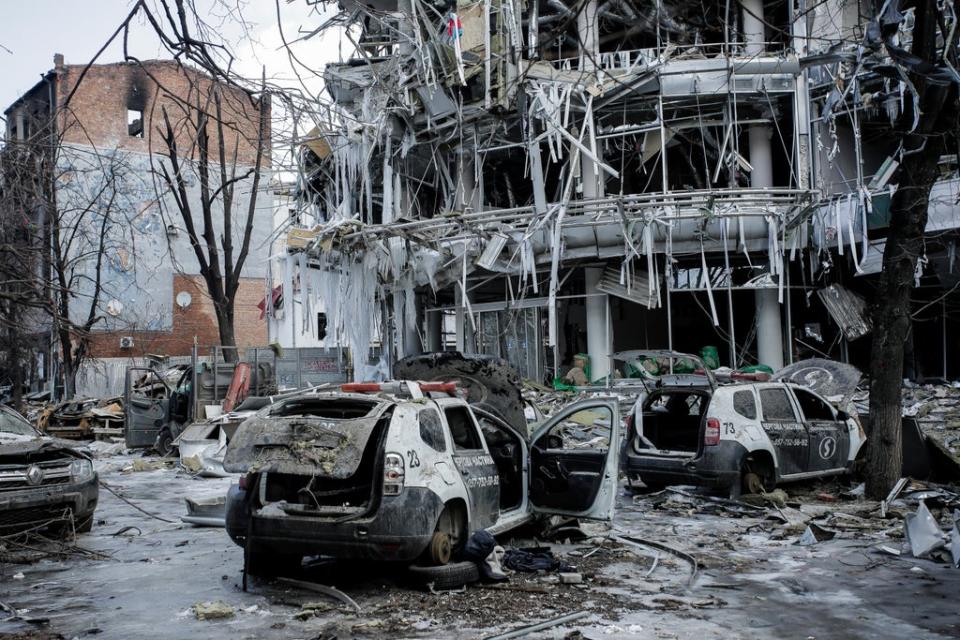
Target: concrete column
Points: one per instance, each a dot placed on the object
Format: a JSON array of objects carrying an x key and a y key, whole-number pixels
[
  {"x": 406, "y": 26},
  {"x": 599, "y": 335},
  {"x": 589, "y": 51},
  {"x": 769, "y": 325},
  {"x": 588, "y": 30},
  {"x": 752, "y": 21},
  {"x": 769, "y": 332},
  {"x": 761, "y": 156}
]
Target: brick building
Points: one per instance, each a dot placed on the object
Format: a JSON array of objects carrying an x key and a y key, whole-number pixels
[{"x": 99, "y": 134}]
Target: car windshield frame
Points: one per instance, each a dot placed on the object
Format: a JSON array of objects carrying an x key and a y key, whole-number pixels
[{"x": 11, "y": 423}]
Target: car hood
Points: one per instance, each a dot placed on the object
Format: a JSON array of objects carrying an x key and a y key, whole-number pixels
[
  {"x": 17, "y": 446},
  {"x": 490, "y": 383},
  {"x": 829, "y": 378}
]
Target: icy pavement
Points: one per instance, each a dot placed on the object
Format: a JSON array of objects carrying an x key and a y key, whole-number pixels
[{"x": 753, "y": 580}]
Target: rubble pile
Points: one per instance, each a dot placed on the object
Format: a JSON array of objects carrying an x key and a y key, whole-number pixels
[
  {"x": 83, "y": 419},
  {"x": 936, "y": 409}
]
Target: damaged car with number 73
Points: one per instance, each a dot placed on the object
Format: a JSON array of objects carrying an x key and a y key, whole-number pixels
[
  {"x": 743, "y": 433},
  {"x": 405, "y": 471}
]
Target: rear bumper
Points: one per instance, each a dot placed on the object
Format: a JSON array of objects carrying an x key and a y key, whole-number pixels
[
  {"x": 717, "y": 467},
  {"x": 399, "y": 530},
  {"x": 28, "y": 507}
]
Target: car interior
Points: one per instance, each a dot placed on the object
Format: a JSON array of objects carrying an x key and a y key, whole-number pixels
[
  {"x": 672, "y": 420},
  {"x": 569, "y": 460},
  {"x": 507, "y": 453}
]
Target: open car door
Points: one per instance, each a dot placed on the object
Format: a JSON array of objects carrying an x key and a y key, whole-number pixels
[
  {"x": 145, "y": 406},
  {"x": 573, "y": 460}
]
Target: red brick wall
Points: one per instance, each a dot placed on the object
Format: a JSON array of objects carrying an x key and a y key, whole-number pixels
[
  {"x": 198, "y": 319},
  {"x": 97, "y": 112}
]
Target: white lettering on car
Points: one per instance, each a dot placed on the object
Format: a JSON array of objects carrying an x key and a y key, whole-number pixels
[
  {"x": 478, "y": 460},
  {"x": 483, "y": 481}
]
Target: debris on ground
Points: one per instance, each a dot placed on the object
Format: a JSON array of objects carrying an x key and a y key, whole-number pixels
[
  {"x": 143, "y": 464},
  {"x": 83, "y": 418},
  {"x": 216, "y": 610}
]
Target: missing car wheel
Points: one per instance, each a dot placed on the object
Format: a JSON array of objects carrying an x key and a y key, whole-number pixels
[{"x": 440, "y": 550}]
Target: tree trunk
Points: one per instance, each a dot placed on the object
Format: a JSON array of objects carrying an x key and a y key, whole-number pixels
[
  {"x": 228, "y": 337},
  {"x": 891, "y": 313},
  {"x": 919, "y": 170},
  {"x": 69, "y": 366},
  {"x": 13, "y": 359}
]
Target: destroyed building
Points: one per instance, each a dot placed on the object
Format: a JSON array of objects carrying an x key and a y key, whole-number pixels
[
  {"x": 96, "y": 135},
  {"x": 533, "y": 180}
]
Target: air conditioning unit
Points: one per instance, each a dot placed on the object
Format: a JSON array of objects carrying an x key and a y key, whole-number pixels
[{"x": 126, "y": 342}]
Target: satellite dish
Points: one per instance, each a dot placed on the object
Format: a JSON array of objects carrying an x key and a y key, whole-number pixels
[
  {"x": 114, "y": 307},
  {"x": 184, "y": 299}
]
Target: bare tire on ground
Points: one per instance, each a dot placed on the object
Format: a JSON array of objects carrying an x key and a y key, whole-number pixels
[{"x": 448, "y": 576}]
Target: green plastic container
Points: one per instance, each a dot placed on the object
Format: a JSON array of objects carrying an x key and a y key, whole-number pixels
[
  {"x": 757, "y": 368},
  {"x": 711, "y": 357}
]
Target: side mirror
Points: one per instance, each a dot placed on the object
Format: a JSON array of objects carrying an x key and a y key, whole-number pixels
[{"x": 842, "y": 415}]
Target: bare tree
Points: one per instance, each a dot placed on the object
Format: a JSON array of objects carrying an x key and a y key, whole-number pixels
[
  {"x": 209, "y": 220},
  {"x": 59, "y": 214},
  {"x": 194, "y": 133},
  {"x": 925, "y": 128}
]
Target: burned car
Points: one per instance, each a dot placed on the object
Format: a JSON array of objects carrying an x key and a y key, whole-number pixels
[
  {"x": 405, "y": 471},
  {"x": 44, "y": 483},
  {"x": 743, "y": 436}
]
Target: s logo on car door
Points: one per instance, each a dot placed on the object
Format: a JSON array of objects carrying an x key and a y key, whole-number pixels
[{"x": 828, "y": 447}]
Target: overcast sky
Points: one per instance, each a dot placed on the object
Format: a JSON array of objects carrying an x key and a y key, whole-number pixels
[{"x": 31, "y": 31}]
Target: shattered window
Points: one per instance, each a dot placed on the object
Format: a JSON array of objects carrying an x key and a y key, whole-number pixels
[
  {"x": 744, "y": 404},
  {"x": 585, "y": 429},
  {"x": 431, "y": 431},
  {"x": 676, "y": 404},
  {"x": 324, "y": 408},
  {"x": 135, "y": 123},
  {"x": 11, "y": 424},
  {"x": 462, "y": 428},
  {"x": 813, "y": 408},
  {"x": 776, "y": 405}
]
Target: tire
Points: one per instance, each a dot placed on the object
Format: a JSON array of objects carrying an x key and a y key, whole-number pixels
[
  {"x": 448, "y": 576},
  {"x": 269, "y": 564},
  {"x": 164, "y": 445}
]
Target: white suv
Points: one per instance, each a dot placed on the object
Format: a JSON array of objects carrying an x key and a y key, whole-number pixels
[
  {"x": 404, "y": 471},
  {"x": 745, "y": 435}
]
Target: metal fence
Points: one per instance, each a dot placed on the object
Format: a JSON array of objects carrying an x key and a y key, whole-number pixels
[{"x": 295, "y": 369}]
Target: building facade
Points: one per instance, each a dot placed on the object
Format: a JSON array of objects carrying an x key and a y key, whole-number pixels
[
  {"x": 100, "y": 134},
  {"x": 538, "y": 179}
]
